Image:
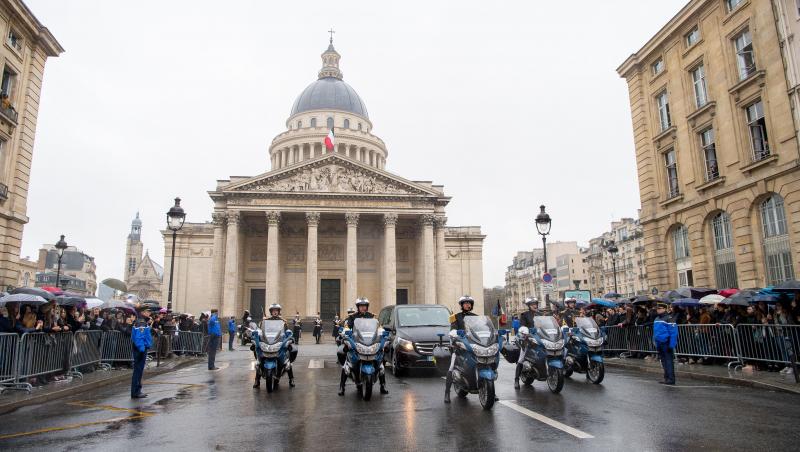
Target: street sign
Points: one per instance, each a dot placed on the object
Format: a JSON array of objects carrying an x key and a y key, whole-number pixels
[
  {"x": 579, "y": 295},
  {"x": 548, "y": 287},
  {"x": 654, "y": 291},
  {"x": 547, "y": 277}
]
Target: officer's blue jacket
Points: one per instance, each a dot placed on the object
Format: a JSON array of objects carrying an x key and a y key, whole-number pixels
[
  {"x": 213, "y": 326},
  {"x": 231, "y": 326},
  {"x": 665, "y": 330},
  {"x": 142, "y": 338}
]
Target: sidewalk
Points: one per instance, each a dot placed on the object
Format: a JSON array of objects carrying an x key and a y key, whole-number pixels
[
  {"x": 774, "y": 381},
  {"x": 13, "y": 399}
]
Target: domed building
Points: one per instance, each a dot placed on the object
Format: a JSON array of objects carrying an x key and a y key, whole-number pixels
[{"x": 326, "y": 224}]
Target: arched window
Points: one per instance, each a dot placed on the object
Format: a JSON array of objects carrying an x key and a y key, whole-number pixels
[
  {"x": 313, "y": 122},
  {"x": 359, "y": 126},
  {"x": 299, "y": 124},
  {"x": 346, "y": 123},
  {"x": 724, "y": 257},
  {"x": 330, "y": 123},
  {"x": 777, "y": 251},
  {"x": 683, "y": 259}
]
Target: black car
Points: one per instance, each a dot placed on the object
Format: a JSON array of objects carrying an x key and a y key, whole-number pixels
[{"x": 414, "y": 330}]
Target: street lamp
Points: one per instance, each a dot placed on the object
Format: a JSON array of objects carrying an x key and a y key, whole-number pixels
[
  {"x": 543, "y": 223},
  {"x": 61, "y": 245},
  {"x": 175, "y": 218},
  {"x": 612, "y": 249}
]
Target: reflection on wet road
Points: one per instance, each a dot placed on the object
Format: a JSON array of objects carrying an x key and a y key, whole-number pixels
[{"x": 196, "y": 409}]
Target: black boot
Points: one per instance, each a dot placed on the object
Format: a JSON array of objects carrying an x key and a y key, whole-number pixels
[
  {"x": 257, "y": 384},
  {"x": 447, "y": 384},
  {"x": 291, "y": 378},
  {"x": 341, "y": 384},
  {"x": 382, "y": 379},
  {"x": 516, "y": 375}
]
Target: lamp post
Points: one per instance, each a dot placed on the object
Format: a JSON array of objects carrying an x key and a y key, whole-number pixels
[
  {"x": 175, "y": 218},
  {"x": 543, "y": 223},
  {"x": 61, "y": 245},
  {"x": 612, "y": 250}
]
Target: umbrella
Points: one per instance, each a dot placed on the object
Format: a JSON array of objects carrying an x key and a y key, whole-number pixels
[
  {"x": 791, "y": 286},
  {"x": 674, "y": 295},
  {"x": 712, "y": 299},
  {"x": 686, "y": 303},
  {"x": 117, "y": 304},
  {"x": 604, "y": 303},
  {"x": 766, "y": 298},
  {"x": 23, "y": 298},
  {"x": 695, "y": 292},
  {"x": 92, "y": 303},
  {"x": 53, "y": 290},
  {"x": 644, "y": 299},
  {"x": 151, "y": 304},
  {"x": 742, "y": 298},
  {"x": 728, "y": 292},
  {"x": 612, "y": 295},
  {"x": 34, "y": 291},
  {"x": 70, "y": 301}
]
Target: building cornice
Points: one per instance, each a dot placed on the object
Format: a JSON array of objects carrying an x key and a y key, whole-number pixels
[{"x": 42, "y": 36}]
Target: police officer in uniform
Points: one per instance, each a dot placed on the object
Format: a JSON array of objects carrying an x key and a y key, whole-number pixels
[
  {"x": 569, "y": 313},
  {"x": 457, "y": 323},
  {"x": 275, "y": 314},
  {"x": 362, "y": 312},
  {"x": 665, "y": 336},
  {"x": 526, "y": 320},
  {"x": 142, "y": 339}
]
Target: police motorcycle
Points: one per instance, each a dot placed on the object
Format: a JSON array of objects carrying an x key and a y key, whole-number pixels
[
  {"x": 475, "y": 370},
  {"x": 273, "y": 351},
  {"x": 585, "y": 350},
  {"x": 364, "y": 361},
  {"x": 543, "y": 348}
]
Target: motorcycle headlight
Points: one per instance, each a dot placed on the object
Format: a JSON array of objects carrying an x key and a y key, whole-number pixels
[
  {"x": 264, "y": 347},
  {"x": 367, "y": 349},
  {"x": 553, "y": 345},
  {"x": 485, "y": 351},
  {"x": 405, "y": 344},
  {"x": 593, "y": 342}
]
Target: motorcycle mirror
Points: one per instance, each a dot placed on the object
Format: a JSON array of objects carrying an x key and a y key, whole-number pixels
[
  {"x": 287, "y": 333},
  {"x": 502, "y": 332},
  {"x": 341, "y": 329},
  {"x": 460, "y": 332},
  {"x": 348, "y": 333},
  {"x": 385, "y": 333}
]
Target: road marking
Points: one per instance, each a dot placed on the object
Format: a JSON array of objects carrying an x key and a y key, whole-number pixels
[
  {"x": 136, "y": 415},
  {"x": 316, "y": 364},
  {"x": 544, "y": 419}
]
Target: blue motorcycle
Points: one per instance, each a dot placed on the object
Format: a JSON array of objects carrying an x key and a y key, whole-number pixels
[
  {"x": 477, "y": 354},
  {"x": 364, "y": 360},
  {"x": 271, "y": 347},
  {"x": 543, "y": 348},
  {"x": 585, "y": 350}
]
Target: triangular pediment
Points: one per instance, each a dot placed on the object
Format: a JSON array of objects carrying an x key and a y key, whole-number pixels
[{"x": 331, "y": 173}]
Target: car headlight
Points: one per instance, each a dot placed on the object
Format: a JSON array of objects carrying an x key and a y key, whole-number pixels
[
  {"x": 485, "y": 351},
  {"x": 405, "y": 344},
  {"x": 367, "y": 349}
]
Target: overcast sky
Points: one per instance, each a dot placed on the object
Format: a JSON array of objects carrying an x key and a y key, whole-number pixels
[{"x": 507, "y": 104}]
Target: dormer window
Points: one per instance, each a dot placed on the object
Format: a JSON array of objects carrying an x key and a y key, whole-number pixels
[
  {"x": 299, "y": 124},
  {"x": 14, "y": 40},
  {"x": 359, "y": 126},
  {"x": 313, "y": 122},
  {"x": 346, "y": 123},
  {"x": 330, "y": 123}
]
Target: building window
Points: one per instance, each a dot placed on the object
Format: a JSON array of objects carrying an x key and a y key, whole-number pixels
[
  {"x": 313, "y": 122},
  {"x": 131, "y": 265},
  {"x": 299, "y": 124},
  {"x": 724, "y": 259},
  {"x": 663, "y": 110},
  {"x": 745, "y": 57},
  {"x": 658, "y": 66},
  {"x": 8, "y": 82},
  {"x": 359, "y": 124},
  {"x": 692, "y": 37},
  {"x": 329, "y": 123},
  {"x": 14, "y": 40},
  {"x": 709, "y": 154},
  {"x": 681, "y": 239},
  {"x": 671, "y": 164},
  {"x": 777, "y": 250},
  {"x": 758, "y": 130},
  {"x": 346, "y": 123},
  {"x": 699, "y": 82},
  {"x": 732, "y": 4}
]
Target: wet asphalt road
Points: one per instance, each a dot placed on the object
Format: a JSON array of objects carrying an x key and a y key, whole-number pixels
[{"x": 193, "y": 408}]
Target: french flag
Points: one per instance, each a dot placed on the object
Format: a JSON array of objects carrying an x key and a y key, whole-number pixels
[{"x": 329, "y": 141}]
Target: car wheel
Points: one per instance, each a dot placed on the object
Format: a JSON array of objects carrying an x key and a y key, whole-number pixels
[{"x": 397, "y": 371}]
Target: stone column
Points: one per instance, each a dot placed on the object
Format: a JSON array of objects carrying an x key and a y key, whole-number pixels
[
  {"x": 312, "y": 298},
  {"x": 231, "y": 278},
  {"x": 389, "y": 260},
  {"x": 352, "y": 257},
  {"x": 273, "y": 269},
  {"x": 218, "y": 265},
  {"x": 429, "y": 272},
  {"x": 441, "y": 261}
]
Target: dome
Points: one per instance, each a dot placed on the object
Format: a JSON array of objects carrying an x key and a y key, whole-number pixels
[{"x": 330, "y": 93}]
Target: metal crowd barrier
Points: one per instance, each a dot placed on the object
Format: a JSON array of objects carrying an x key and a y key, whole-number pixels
[
  {"x": 616, "y": 339},
  {"x": 86, "y": 351},
  {"x": 116, "y": 347},
  {"x": 188, "y": 342},
  {"x": 708, "y": 341},
  {"x": 42, "y": 354},
  {"x": 770, "y": 343},
  {"x": 8, "y": 358},
  {"x": 640, "y": 339}
]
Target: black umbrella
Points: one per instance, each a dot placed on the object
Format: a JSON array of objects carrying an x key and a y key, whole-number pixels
[
  {"x": 674, "y": 295},
  {"x": 741, "y": 298},
  {"x": 70, "y": 301},
  {"x": 695, "y": 292},
  {"x": 34, "y": 291},
  {"x": 646, "y": 299},
  {"x": 790, "y": 286},
  {"x": 117, "y": 304}
]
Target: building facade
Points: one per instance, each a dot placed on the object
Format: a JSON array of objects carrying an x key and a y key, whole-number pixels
[
  {"x": 26, "y": 46},
  {"x": 325, "y": 226},
  {"x": 787, "y": 20},
  {"x": 523, "y": 277},
  {"x": 143, "y": 275},
  {"x": 78, "y": 270},
  {"x": 716, "y": 148},
  {"x": 629, "y": 261}
]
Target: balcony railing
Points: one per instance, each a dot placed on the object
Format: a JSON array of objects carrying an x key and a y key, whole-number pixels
[
  {"x": 674, "y": 192},
  {"x": 712, "y": 174},
  {"x": 760, "y": 154},
  {"x": 9, "y": 113}
]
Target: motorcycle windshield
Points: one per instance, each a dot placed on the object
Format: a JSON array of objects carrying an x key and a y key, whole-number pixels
[
  {"x": 365, "y": 331},
  {"x": 547, "y": 327},
  {"x": 272, "y": 331},
  {"x": 480, "y": 330},
  {"x": 588, "y": 327}
]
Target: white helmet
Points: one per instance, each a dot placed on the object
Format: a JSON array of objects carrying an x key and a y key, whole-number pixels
[
  {"x": 362, "y": 302},
  {"x": 523, "y": 331},
  {"x": 274, "y": 306}
]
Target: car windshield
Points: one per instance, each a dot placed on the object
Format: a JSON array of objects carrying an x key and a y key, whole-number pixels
[
  {"x": 479, "y": 329},
  {"x": 547, "y": 327},
  {"x": 272, "y": 330},
  {"x": 365, "y": 331},
  {"x": 423, "y": 316},
  {"x": 588, "y": 327}
]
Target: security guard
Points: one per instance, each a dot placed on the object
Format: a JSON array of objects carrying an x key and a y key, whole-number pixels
[
  {"x": 457, "y": 323},
  {"x": 665, "y": 336},
  {"x": 362, "y": 312},
  {"x": 526, "y": 320},
  {"x": 568, "y": 315},
  {"x": 142, "y": 340}
]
